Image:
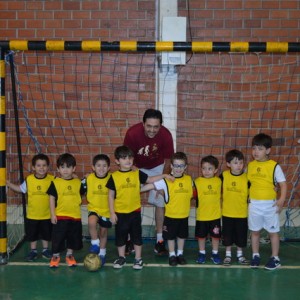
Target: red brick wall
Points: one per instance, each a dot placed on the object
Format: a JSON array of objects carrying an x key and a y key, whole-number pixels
[{"x": 223, "y": 99}]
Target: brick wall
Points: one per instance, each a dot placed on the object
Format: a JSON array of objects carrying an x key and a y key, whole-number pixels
[{"x": 223, "y": 99}]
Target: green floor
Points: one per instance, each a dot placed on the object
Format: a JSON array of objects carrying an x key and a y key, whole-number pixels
[{"x": 22, "y": 280}]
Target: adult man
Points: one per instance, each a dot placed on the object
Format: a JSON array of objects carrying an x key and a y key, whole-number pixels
[{"x": 152, "y": 144}]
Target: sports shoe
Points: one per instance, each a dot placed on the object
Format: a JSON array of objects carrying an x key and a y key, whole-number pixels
[
  {"x": 46, "y": 254},
  {"x": 243, "y": 261},
  {"x": 272, "y": 264},
  {"x": 181, "y": 260},
  {"x": 70, "y": 260},
  {"x": 32, "y": 255},
  {"x": 119, "y": 262},
  {"x": 216, "y": 259},
  {"x": 227, "y": 261},
  {"x": 173, "y": 261},
  {"x": 138, "y": 264},
  {"x": 103, "y": 260},
  {"x": 201, "y": 258},
  {"x": 255, "y": 261},
  {"x": 160, "y": 248},
  {"x": 54, "y": 262},
  {"x": 129, "y": 248},
  {"x": 94, "y": 249}
]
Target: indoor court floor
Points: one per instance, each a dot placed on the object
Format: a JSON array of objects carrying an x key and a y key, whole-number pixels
[{"x": 157, "y": 280}]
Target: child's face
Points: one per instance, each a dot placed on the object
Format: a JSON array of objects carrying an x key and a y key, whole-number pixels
[
  {"x": 236, "y": 166},
  {"x": 101, "y": 168},
  {"x": 260, "y": 153},
  {"x": 208, "y": 170},
  {"x": 125, "y": 163},
  {"x": 40, "y": 168},
  {"x": 178, "y": 167},
  {"x": 66, "y": 172}
]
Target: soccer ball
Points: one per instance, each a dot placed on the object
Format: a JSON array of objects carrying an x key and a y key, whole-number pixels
[{"x": 92, "y": 262}]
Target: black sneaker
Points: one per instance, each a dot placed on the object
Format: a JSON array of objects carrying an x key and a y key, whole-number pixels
[
  {"x": 160, "y": 248},
  {"x": 32, "y": 256},
  {"x": 46, "y": 254},
  {"x": 272, "y": 264},
  {"x": 173, "y": 261},
  {"x": 138, "y": 264},
  {"x": 181, "y": 260},
  {"x": 129, "y": 248},
  {"x": 119, "y": 262},
  {"x": 255, "y": 262}
]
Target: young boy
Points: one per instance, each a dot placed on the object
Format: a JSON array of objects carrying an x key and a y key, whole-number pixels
[
  {"x": 98, "y": 209},
  {"x": 235, "y": 206},
  {"x": 178, "y": 195},
  {"x": 65, "y": 200},
  {"x": 125, "y": 204},
  {"x": 37, "y": 224},
  {"x": 208, "y": 214},
  {"x": 264, "y": 174}
]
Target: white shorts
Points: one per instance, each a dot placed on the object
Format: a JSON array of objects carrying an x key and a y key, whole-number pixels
[
  {"x": 263, "y": 214},
  {"x": 154, "y": 198}
]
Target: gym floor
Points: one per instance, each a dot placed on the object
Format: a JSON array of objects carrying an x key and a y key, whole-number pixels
[{"x": 157, "y": 280}]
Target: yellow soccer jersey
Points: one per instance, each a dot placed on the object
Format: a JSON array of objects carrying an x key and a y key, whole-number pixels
[
  {"x": 68, "y": 197},
  {"x": 235, "y": 195},
  {"x": 261, "y": 178},
  {"x": 209, "y": 198},
  {"x": 38, "y": 200},
  {"x": 97, "y": 195},
  {"x": 178, "y": 196}
]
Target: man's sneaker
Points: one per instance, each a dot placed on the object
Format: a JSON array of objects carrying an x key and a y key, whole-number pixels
[
  {"x": 160, "y": 248},
  {"x": 54, "y": 262},
  {"x": 181, "y": 260},
  {"x": 32, "y": 255},
  {"x": 272, "y": 264},
  {"x": 227, "y": 261},
  {"x": 216, "y": 259},
  {"x": 201, "y": 258},
  {"x": 138, "y": 264},
  {"x": 129, "y": 248},
  {"x": 173, "y": 261},
  {"x": 103, "y": 260},
  {"x": 70, "y": 260},
  {"x": 119, "y": 262},
  {"x": 243, "y": 261},
  {"x": 46, "y": 254},
  {"x": 255, "y": 261},
  {"x": 94, "y": 249}
]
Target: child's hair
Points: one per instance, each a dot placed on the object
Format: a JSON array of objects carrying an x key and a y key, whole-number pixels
[
  {"x": 262, "y": 139},
  {"x": 101, "y": 157},
  {"x": 40, "y": 156},
  {"x": 153, "y": 114},
  {"x": 179, "y": 155},
  {"x": 211, "y": 160},
  {"x": 232, "y": 154},
  {"x": 66, "y": 159},
  {"x": 122, "y": 152}
]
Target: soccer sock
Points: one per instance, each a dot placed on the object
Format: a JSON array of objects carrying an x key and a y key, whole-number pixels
[
  {"x": 69, "y": 253},
  {"x": 95, "y": 242},
  {"x": 276, "y": 257},
  {"x": 239, "y": 253},
  {"x": 56, "y": 254},
  {"x": 159, "y": 237},
  {"x": 228, "y": 253},
  {"x": 172, "y": 253},
  {"x": 215, "y": 252},
  {"x": 255, "y": 254},
  {"x": 202, "y": 252},
  {"x": 102, "y": 252},
  {"x": 34, "y": 250},
  {"x": 179, "y": 252}
]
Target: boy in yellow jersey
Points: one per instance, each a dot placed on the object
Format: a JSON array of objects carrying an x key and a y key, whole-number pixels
[
  {"x": 125, "y": 204},
  {"x": 208, "y": 214},
  {"x": 235, "y": 206},
  {"x": 65, "y": 201},
  {"x": 98, "y": 209},
  {"x": 264, "y": 174},
  {"x": 178, "y": 195},
  {"x": 37, "y": 224}
]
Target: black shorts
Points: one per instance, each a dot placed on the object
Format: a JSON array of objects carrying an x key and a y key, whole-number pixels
[
  {"x": 130, "y": 223},
  {"x": 66, "y": 234},
  {"x": 102, "y": 221},
  {"x": 38, "y": 229},
  {"x": 175, "y": 228},
  {"x": 235, "y": 231},
  {"x": 205, "y": 228}
]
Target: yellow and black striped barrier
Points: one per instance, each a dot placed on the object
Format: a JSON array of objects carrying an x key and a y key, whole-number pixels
[{"x": 135, "y": 46}]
